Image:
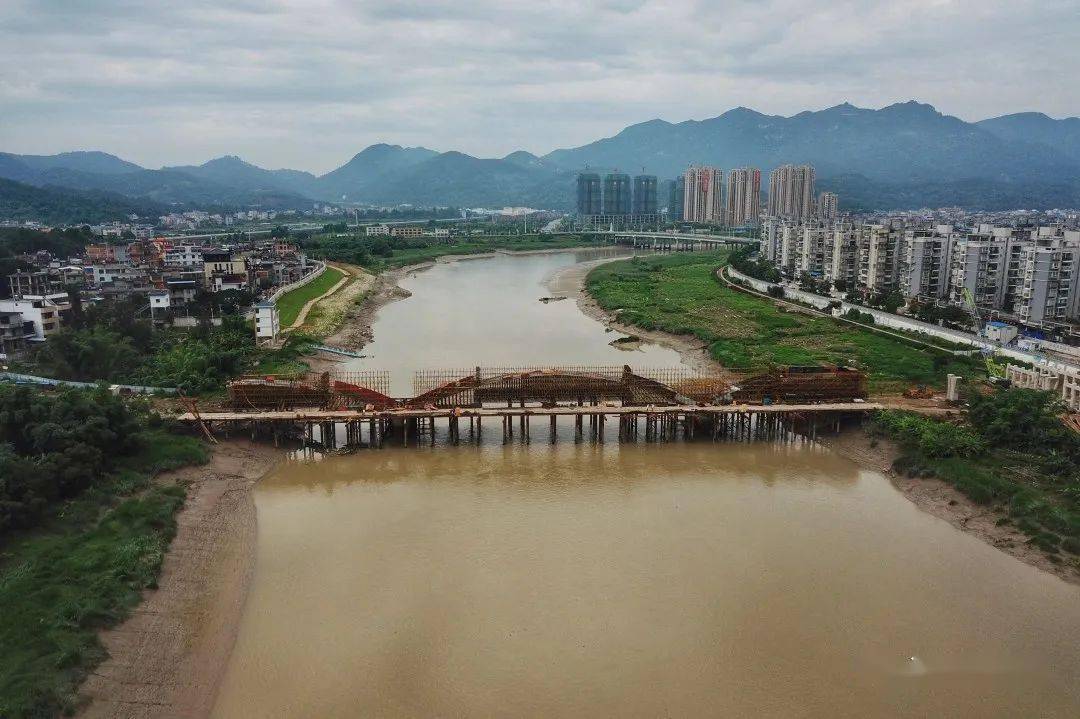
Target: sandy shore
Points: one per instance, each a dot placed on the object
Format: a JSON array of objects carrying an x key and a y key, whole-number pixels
[
  {"x": 570, "y": 282},
  {"x": 930, "y": 495},
  {"x": 166, "y": 660}
]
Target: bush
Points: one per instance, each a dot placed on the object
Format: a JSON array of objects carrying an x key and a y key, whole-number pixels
[
  {"x": 55, "y": 445},
  {"x": 930, "y": 437}
]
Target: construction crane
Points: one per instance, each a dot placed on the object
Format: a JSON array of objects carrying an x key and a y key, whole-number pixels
[{"x": 996, "y": 372}]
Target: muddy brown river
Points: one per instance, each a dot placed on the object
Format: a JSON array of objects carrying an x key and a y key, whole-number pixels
[{"x": 634, "y": 580}]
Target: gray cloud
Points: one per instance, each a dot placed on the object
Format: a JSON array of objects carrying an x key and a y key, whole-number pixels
[{"x": 307, "y": 83}]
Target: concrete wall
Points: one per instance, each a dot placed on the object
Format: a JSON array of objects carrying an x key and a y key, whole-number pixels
[{"x": 309, "y": 277}]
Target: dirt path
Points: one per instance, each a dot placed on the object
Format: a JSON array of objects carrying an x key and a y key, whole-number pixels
[
  {"x": 167, "y": 658},
  {"x": 300, "y": 318}
]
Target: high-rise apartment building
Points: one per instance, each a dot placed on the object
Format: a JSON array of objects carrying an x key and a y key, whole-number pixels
[
  {"x": 828, "y": 206},
  {"x": 675, "y": 199},
  {"x": 644, "y": 202},
  {"x": 843, "y": 268},
  {"x": 588, "y": 194},
  {"x": 617, "y": 194},
  {"x": 743, "y": 196},
  {"x": 879, "y": 250},
  {"x": 791, "y": 192},
  {"x": 1051, "y": 281},
  {"x": 814, "y": 250},
  {"x": 927, "y": 257},
  {"x": 703, "y": 195}
]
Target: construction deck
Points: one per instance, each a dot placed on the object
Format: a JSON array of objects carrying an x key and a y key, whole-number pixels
[{"x": 319, "y": 415}]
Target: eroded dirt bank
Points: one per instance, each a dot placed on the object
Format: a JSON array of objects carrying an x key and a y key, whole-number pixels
[{"x": 167, "y": 658}]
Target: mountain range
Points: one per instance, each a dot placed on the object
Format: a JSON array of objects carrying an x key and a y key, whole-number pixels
[{"x": 901, "y": 156}]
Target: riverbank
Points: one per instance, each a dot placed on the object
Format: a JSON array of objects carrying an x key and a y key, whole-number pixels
[
  {"x": 167, "y": 658},
  {"x": 929, "y": 494},
  {"x": 942, "y": 500},
  {"x": 570, "y": 282}
]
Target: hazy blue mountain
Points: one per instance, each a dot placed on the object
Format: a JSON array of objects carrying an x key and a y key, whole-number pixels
[
  {"x": 906, "y": 142},
  {"x": 453, "y": 178},
  {"x": 904, "y": 155},
  {"x": 19, "y": 201},
  {"x": 357, "y": 178},
  {"x": 233, "y": 172},
  {"x": 190, "y": 187},
  {"x": 1061, "y": 135},
  {"x": 83, "y": 161}
]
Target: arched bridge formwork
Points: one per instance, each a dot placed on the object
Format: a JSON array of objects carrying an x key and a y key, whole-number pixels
[
  {"x": 554, "y": 385},
  {"x": 337, "y": 390},
  {"x": 547, "y": 386}
]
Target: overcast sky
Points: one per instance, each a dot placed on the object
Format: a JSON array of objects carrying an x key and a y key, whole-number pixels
[{"x": 308, "y": 83}]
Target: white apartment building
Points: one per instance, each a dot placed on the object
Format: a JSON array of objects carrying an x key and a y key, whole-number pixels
[
  {"x": 978, "y": 270},
  {"x": 267, "y": 321},
  {"x": 184, "y": 256},
  {"x": 927, "y": 259},
  {"x": 790, "y": 247},
  {"x": 42, "y": 312},
  {"x": 375, "y": 230},
  {"x": 843, "y": 265},
  {"x": 815, "y": 251},
  {"x": 828, "y": 206},
  {"x": 1049, "y": 291},
  {"x": 879, "y": 251}
]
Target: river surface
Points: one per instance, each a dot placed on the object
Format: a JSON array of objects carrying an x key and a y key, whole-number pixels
[{"x": 635, "y": 580}]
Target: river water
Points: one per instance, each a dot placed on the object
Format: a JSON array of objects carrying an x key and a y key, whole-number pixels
[{"x": 635, "y": 580}]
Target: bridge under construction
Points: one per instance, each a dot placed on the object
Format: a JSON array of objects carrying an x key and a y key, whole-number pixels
[{"x": 356, "y": 409}]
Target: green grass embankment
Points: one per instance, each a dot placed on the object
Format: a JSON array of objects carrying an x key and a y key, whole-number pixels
[
  {"x": 290, "y": 303},
  {"x": 680, "y": 294},
  {"x": 81, "y": 570}
]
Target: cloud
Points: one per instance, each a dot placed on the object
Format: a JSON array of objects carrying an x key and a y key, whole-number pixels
[{"x": 307, "y": 83}]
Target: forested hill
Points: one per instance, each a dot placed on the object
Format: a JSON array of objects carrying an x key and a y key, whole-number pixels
[{"x": 61, "y": 206}]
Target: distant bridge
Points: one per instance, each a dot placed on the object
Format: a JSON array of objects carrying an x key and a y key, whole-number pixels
[{"x": 667, "y": 240}]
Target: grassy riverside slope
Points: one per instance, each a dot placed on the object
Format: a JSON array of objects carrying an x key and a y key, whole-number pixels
[
  {"x": 680, "y": 294},
  {"x": 290, "y": 303},
  {"x": 83, "y": 569}
]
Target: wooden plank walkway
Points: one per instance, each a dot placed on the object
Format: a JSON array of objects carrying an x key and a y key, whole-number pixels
[{"x": 318, "y": 415}]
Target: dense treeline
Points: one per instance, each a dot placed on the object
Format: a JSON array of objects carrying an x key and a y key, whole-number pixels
[
  {"x": 759, "y": 269},
  {"x": 20, "y": 240},
  {"x": 115, "y": 342},
  {"x": 64, "y": 205},
  {"x": 83, "y": 532},
  {"x": 109, "y": 342},
  {"x": 1013, "y": 450},
  {"x": 55, "y": 445}
]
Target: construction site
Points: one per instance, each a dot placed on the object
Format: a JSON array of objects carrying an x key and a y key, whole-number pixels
[{"x": 356, "y": 409}]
